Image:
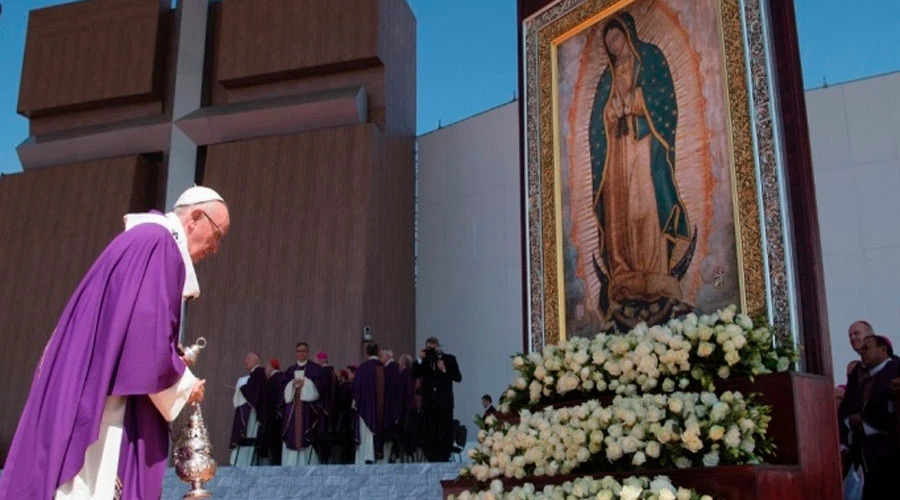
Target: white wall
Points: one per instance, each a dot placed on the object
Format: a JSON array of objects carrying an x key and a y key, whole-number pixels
[
  {"x": 855, "y": 134},
  {"x": 469, "y": 287}
]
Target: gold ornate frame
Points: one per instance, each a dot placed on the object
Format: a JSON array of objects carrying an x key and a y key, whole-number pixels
[{"x": 766, "y": 288}]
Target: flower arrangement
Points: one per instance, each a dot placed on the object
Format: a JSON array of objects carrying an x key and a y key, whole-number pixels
[
  {"x": 607, "y": 488},
  {"x": 687, "y": 352},
  {"x": 650, "y": 431}
]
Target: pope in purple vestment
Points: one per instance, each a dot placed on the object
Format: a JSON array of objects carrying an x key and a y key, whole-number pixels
[{"x": 117, "y": 338}]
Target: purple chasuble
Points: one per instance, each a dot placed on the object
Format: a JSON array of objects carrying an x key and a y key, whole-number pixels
[
  {"x": 116, "y": 337},
  {"x": 254, "y": 391},
  {"x": 369, "y": 394},
  {"x": 298, "y": 434}
]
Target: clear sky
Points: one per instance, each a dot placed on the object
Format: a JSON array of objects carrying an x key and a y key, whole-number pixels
[{"x": 467, "y": 54}]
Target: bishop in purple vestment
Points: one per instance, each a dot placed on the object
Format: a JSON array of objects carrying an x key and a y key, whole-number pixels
[
  {"x": 369, "y": 398},
  {"x": 110, "y": 376},
  {"x": 303, "y": 382},
  {"x": 249, "y": 411},
  {"x": 271, "y": 432}
]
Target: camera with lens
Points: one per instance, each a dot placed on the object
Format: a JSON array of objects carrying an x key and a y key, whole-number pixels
[{"x": 433, "y": 354}]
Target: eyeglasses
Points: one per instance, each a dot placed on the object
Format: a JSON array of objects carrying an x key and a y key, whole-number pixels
[{"x": 216, "y": 228}]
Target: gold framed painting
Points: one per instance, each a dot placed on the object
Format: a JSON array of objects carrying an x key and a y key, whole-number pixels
[{"x": 651, "y": 190}]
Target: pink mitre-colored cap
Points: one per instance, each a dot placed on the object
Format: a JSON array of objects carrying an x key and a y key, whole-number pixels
[
  {"x": 197, "y": 194},
  {"x": 322, "y": 355}
]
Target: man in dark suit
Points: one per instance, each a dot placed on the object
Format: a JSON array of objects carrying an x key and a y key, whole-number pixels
[
  {"x": 487, "y": 404},
  {"x": 867, "y": 418},
  {"x": 437, "y": 370}
]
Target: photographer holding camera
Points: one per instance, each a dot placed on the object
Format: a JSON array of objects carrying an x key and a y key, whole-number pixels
[{"x": 438, "y": 370}]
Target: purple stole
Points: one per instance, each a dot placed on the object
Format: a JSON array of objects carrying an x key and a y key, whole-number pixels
[{"x": 298, "y": 406}]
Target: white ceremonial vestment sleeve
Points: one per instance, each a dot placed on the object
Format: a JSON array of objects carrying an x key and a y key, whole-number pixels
[
  {"x": 238, "y": 399},
  {"x": 308, "y": 393},
  {"x": 171, "y": 401}
]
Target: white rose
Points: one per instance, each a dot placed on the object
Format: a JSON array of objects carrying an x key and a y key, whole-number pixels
[
  {"x": 660, "y": 484},
  {"x": 675, "y": 405},
  {"x": 733, "y": 437},
  {"x": 690, "y": 320},
  {"x": 521, "y": 383},
  {"x": 691, "y": 332},
  {"x": 581, "y": 358},
  {"x": 613, "y": 451},
  {"x": 727, "y": 315},
  {"x": 540, "y": 372},
  {"x": 683, "y": 494},
  {"x": 638, "y": 459},
  {"x": 653, "y": 449},
  {"x": 748, "y": 445},
  {"x": 716, "y": 432},
  {"x": 614, "y": 431},
  {"x": 518, "y": 362},
  {"x": 683, "y": 462},
  {"x": 711, "y": 459},
  {"x": 630, "y": 492},
  {"x": 744, "y": 321},
  {"x": 629, "y": 444},
  {"x": 732, "y": 357},
  {"x": 732, "y": 330}
]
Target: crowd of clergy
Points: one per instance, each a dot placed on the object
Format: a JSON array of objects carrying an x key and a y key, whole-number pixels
[
  {"x": 311, "y": 413},
  {"x": 868, "y": 418}
]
